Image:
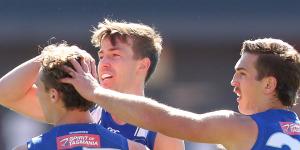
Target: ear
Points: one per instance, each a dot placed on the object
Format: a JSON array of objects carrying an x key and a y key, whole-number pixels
[
  {"x": 144, "y": 64},
  {"x": 54, "y": 95},
  {"x": 270, "y": 84}
]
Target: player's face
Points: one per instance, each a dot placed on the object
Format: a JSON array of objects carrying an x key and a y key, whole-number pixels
[
  {"x": 248, "y": 89},
  {"x": 117, "y": 67}
]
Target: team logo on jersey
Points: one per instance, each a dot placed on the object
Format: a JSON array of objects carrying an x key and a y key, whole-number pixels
[
  {"x": 78, "y": 140},
  {"x": 290, "y": 128},
  {"x": 113, "y": 130}
]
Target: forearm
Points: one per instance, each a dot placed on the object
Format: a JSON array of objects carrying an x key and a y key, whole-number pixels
[
  {"x": 145, "y": 112},
  {"x": 16, "y": 83},
  {"x": 213, "y": 127}
]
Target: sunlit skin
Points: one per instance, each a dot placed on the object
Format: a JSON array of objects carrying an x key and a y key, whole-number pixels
[
  {"x": 53, "y": 107},
  {"x": 256, "y": 91},
  {"x": 44, "y": 99},
  {"x": 118, "y": 69},
  {"x": 253, "y": 95}
]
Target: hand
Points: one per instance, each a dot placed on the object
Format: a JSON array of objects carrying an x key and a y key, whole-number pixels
[
  {"x": 82, "y": 79},
  {"x": 88, "y": 62}
]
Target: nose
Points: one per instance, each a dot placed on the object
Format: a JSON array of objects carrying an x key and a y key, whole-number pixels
[
  {"x": 234, "y": 80},
  {"x": 104, "y": 62}
]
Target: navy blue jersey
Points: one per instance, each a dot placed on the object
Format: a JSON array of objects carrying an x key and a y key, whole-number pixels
[
  {"x": 77, "y": 137},
  {"x": 277, "y": 130},
  {"x": 129, "y": 131}
]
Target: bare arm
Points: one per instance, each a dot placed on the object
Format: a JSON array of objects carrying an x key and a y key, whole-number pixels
[
  {"x": 220, "y": 127},
  {"x": 136, "y": 146},
  {"x": 225, "y": 127},
  {"x": 163, "y": 142},
  {"x": 17, "y": 89}
]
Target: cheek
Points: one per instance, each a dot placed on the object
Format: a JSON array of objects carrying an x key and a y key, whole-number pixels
[{"x": 128, "y": 72}]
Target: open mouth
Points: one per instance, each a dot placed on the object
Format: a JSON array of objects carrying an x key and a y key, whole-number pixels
[
  {"x": 237, "y": 92},
  {"x": 106, "y": 76}
]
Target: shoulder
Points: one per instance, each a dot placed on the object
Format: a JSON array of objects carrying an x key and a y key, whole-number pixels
[
  {"x": 226, "y": 118},
  {"x": 42, "y": 140},
  {"x": 244, "y": 131},
  {"x": 218, "y": 126},
  {"x": 34, "y": 142},
  {"x": 136, "y": 146}
]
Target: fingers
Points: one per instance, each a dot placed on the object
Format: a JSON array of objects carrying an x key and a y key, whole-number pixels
[
  {"x": 85, "y": 64},
  {"x": 66, "y": 80},
  {"x": 69, "y": 70},
  {"x": 77, "y": 66},
  {"x": 89, "y": 65},
  {"x": 94, "y": 69}
]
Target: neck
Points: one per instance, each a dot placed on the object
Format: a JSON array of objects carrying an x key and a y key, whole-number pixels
[
  {"x": 136, "y": 90},
  {"x": 272, "y": 103},
  {"x": 73, "y": 117}
]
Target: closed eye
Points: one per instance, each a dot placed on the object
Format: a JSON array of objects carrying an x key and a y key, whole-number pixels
[
  {"x": 116, "y": 55},
  {"x": 242, "y": 73}
]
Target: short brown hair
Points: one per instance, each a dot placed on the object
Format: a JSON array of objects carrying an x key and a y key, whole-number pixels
[
  {"x": 146, "y": 41},
  {"x": 280, "y": 60},
  {"x": 54, "y": 57}
]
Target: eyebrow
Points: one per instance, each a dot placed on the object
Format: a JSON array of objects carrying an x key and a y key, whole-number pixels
[
  {"x": 111, "y": 49},
  {"x": 240, "y": 69}
]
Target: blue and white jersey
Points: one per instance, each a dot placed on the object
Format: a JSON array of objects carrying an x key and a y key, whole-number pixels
[
  {"x": 129, "y": 131},
  {"x": 77, "y": 137},
  {"x": 277, "y": 130}
]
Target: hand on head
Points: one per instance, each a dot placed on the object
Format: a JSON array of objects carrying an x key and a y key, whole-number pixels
[{"x": 83, "y": 77}]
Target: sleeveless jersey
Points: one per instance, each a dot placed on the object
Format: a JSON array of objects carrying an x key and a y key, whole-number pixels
[
  {"x": 78, "y": 137},
  {"x": 277, "y": 130},
  {"x": 129, "y": 131}
]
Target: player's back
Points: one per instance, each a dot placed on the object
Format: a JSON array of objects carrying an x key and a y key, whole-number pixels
[
  {"x": 277, "y": 130},
  {"x": 78, "y": 137}
]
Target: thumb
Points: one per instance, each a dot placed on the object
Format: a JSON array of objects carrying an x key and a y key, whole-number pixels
[{"x": 66, "y": 80}]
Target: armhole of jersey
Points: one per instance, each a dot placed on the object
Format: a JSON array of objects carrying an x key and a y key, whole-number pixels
[
  {"x": 97, "y": 114},
  {"x": 260, "y": 125},
  {"x": 151, "y": 137},
  {"x": 30, "y": 145}
]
